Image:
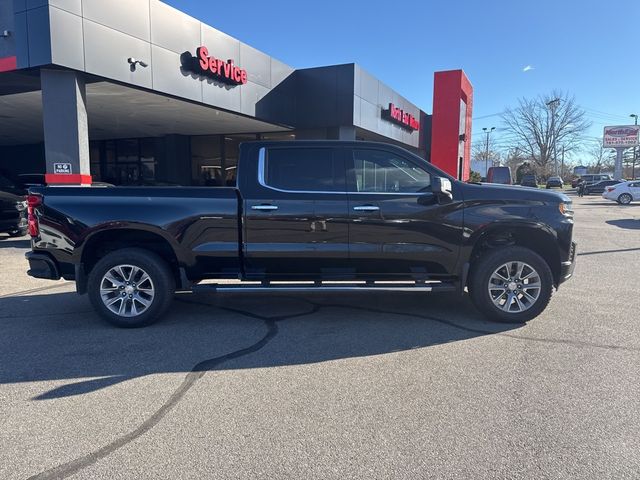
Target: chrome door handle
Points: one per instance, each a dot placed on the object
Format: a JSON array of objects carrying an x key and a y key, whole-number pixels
[
  {"x": 366, "y": 208},
  {"x": 264, "y": 207}
]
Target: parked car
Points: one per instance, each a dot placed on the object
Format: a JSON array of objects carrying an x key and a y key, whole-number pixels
[
  {"x": 367, "y": 213},
  {"x": 554, "y": 182},
  {"x": 499, "y": 175},
  {"x": 600, "y": 187},
  {"x": 624, "y": 193},
  {"x": 13, "y": 207},
  {"x": 529, "y": 181},
  {"x": 590, "y": 179}
]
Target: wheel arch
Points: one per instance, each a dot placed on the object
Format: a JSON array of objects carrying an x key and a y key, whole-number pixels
[
  {"x": 536, "y": 237},
  {"x": 102, "y": 242}
]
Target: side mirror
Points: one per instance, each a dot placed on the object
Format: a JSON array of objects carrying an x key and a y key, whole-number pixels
[{"x": 442, "y": 187}]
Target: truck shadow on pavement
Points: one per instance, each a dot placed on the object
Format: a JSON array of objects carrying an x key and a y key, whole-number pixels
[
  {"x": 629, "y": 223},
  {"x": 58, "y": 337},
  {"x": 10, "y": 242}
]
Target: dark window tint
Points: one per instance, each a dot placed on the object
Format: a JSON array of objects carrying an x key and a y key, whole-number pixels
[
  {"x": 304, "y": 169},
  {"x": 499, "y": 175},
  {"x": 384, "y": 172},
  {"x": 6, "y": 183}
]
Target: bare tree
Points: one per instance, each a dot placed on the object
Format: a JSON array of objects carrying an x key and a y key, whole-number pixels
[
  {"x": 540, "y": 127},
  {"x": 479, "y": 151},
  {"x": 598, "y": 155}
]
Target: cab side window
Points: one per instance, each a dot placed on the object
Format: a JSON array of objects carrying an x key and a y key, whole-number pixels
[
  {"x": 378, "y": 171},
  {"x": 304, "y": 170}
]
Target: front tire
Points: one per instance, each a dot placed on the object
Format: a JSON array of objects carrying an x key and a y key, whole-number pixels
[
  {"x": 512, "y": 284},
  {"x": 624, "y": 199},
  {"x": 131, "y": 287}
]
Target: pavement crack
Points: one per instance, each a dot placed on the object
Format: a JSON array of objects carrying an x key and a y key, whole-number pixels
[{"x": 198, "y": 371}]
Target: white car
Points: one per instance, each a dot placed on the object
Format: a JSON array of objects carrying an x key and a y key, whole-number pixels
[{"x": 623, "y": 193}]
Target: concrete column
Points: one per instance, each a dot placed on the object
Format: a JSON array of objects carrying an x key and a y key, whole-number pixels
[
  {"x": 347, "y": 133},
  {"x": 617, "y": 174},
  {"x": 342, "y": 133},
  {"x": 66, "y": 134}
]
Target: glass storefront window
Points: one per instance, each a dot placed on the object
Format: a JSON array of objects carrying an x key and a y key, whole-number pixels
[
  {"x": 94, "y": 161},
  {"x": 127, "y": 150},
  {"x": 280, "y": 136},
  {"x": 129, "y": 161},
  {"x": 147, "y": 159},
  {"x": 206, "y": 161},
  {"x": 231, "y": 154}
]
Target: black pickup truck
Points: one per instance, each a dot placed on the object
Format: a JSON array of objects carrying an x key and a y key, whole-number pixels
[{"x": 306, "y": 215}]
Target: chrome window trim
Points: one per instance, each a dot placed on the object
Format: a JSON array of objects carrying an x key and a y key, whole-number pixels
[{"x": 261, "y": 181}]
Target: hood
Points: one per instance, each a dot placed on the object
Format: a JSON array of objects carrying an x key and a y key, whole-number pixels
[{"x": 494, "y": 191}]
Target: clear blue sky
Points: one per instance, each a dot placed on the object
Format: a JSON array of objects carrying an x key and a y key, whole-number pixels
[{"x": 587, "y": 47}]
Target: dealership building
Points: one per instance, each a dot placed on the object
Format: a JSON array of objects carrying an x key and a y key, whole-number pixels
[{"x": 135, "y": 92}]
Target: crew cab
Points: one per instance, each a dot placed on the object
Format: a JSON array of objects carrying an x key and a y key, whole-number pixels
[{"x": 306, "y": 215}]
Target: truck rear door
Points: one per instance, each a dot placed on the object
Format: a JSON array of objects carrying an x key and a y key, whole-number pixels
[{"x": 295, "y": 212}]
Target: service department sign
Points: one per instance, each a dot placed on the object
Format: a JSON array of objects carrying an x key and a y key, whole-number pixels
[
  {"x": 621, "y": 136},
  {"x": 209, "y": 66}
]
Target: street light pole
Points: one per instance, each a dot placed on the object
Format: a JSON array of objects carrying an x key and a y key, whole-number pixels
[
  {"x": 552, "y": 104},
  {"x": 635, "y": 149},
  {"x": 486, "y": 152}
]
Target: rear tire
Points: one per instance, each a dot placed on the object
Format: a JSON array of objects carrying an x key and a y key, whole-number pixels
[
  {"x": 131, "y": 287},
  {"x": 512, "y": 284},
  {"x": 624, "y": 199}
]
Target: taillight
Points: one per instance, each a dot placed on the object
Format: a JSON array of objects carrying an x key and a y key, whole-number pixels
[
  {"x": 33, "y": 201},
  {"x": 610, "y": 189}
]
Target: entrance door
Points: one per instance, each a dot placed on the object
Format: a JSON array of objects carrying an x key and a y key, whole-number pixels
[
  {"x": 397, "y": 226},
  {"x": 296, "y": 217}
]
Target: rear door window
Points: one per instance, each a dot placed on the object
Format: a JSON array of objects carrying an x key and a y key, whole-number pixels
[{"x": 303, "y": 170}]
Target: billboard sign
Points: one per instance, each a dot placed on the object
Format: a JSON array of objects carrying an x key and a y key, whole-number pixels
[{"x": 621, "y": 136}]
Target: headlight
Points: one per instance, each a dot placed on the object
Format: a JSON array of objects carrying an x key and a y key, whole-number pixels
[{"x": 566, "y": 209}]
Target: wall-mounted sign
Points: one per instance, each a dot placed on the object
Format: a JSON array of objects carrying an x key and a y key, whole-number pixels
[
  {"x": 62, "y": 168},
  {"x": 215, "y": 68},
  {"x": 624, "y": 136},
  {"x": 400, "y": 117}
]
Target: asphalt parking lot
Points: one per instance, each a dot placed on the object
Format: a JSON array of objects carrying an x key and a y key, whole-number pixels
[{"x": 330, "y": 386}]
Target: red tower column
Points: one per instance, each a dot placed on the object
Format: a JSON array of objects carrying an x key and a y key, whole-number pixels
[{"x": 451, "y": 123}]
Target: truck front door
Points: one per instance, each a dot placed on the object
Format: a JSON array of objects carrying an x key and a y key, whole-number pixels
[
  {"x": 295, "y": 214},
  {"x": 398, "y": 228}
]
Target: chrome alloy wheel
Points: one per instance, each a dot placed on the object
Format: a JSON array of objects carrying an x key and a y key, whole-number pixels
[
  {"x": 514, "y": 287},
  {"x": 127, "y": 290}
]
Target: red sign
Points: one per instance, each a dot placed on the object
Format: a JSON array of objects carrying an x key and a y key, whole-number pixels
[
  {"x": 402, "y": 118},
  {"x": 8, "y": 64},
  {"x": 215, "y": 68}
]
